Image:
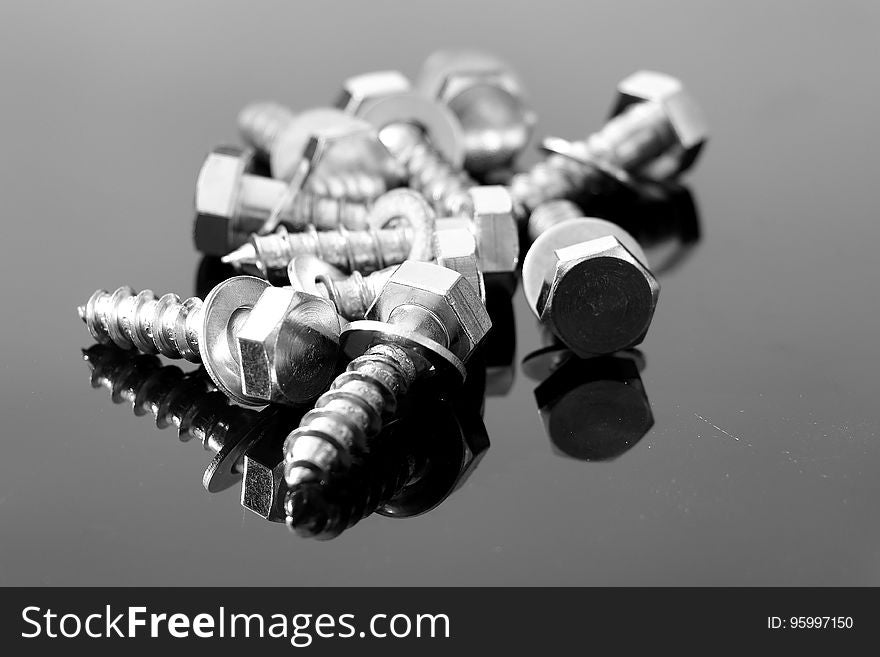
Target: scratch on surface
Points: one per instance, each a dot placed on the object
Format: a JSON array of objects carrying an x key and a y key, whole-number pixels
[{"x": 715, "y": 426}]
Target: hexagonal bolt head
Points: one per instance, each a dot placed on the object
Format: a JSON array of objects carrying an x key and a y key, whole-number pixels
[
  {"x": 600, "y": 299},
  {"x": 586, "y": 280},
  {"x": 495, "y": 229},
  {"x": 421, "y": 289},
  {"x": 361, "y": 89},
  {"x": 217, "y": 193},
  {"x": 455, "y": 248},
  {"x": 684, "y": 116},
  {"x": 288, "y": 346},
  {"x": 489, "y": 100}
]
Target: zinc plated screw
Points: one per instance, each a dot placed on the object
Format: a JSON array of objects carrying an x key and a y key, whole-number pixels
[
  {"x": 231, "y": 202},
  {"x": 427, "y": 140},
  {"x": 655, "y": 133},
  {"x": 422, "y": 134},
  {"x": 188, "y": 402},
  {"x": 587, "y": 280},
  {"x": 353, "y": 294},
  {"x": 427, "y": 320},
  {"x": 366, "y": 250},
  {"x": 206, "y": 332},
  {"x": 360, "y": 250}
]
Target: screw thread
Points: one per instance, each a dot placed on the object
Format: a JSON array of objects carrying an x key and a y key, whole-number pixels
[
  {"x": 555, "y": 177},
  {"x": 304, "y": 209},
  {"x": 347, "y": 417},
  {"x": 359, "y": 186},
  {"x": 445, "y": 186},
  {"x": 188, "y": 401},
  {"x": 355, "y": 293},
  {"x": 314, "y": 509},
  {"x": 261, "y": 123},
  {"x": 360, "y": 250},
  {"x": 631, "y": 139},
  {"x": 141, "y": 321},
  {"x": 551, "y": 213}
]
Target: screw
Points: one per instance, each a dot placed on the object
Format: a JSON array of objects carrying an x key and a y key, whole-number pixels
[
  {"x": 655, "y": 133},
  {"x": 426, "y": 321},
  {"x": 586, "y": 280},
  {"x": 365, "y": 250},
  {"x": 231, "y": 202},
  {"x": 188, "y": 401},
  {"x": 423, "y": 136},
  {"x": 347, "y": 143},
  {"x": 210, "y": 332},
  {"x": 353, "y": 294},
  {"x": 426, "y": 139},
  {"x": 361, "y": 250},
  {"x": 488, "y": 99}
]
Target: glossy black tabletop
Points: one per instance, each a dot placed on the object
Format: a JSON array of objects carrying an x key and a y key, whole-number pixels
[{"x": 740, "y": 446}]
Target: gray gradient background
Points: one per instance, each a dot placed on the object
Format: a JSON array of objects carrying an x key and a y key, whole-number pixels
[{"x": 767, "y": 332}]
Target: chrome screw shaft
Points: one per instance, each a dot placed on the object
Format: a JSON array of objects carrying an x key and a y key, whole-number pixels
[{"x": 361, "y": 250}]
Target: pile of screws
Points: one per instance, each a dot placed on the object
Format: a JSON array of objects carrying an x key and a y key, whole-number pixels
[{"x": 365, "y": 237}]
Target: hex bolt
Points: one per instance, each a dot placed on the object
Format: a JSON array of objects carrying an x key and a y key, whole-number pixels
[
  {"x": 352, "y": 146},
  {"x": 292, "y": 361},
  {"x": 426, "y": 321},
  {"x": 488, "y": 98},
  {"x": 655, "y": 133},
  {"x": 366, "y": 250},
  {"x": 189, "y": 402},
  {"x": 587, "y": 281},
  {"x": 422, "y": 134},
  {"x": 231, "y": 203}
]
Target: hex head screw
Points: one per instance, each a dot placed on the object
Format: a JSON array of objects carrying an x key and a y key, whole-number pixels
[
  {"x": 399, "y": 226},
  {"x": 587, "y": 281},
  {"x": 426, "y": 321},
  {"x": 205, "y": 332},
  {"x": 655, "y": 133},
  {"x": 232, "y": 202}
]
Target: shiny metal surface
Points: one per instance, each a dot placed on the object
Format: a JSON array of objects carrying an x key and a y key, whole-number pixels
[
  {"x": 586, "y": 280},
  {"x": 426, "y": 321},
  {"x": 288, "y": 346},
  {"x": 231, "y": 202},
  {"x": 760, "y": 468},
  {"x": 224, "y": 312},
  {"x": 488, "y": 98}
]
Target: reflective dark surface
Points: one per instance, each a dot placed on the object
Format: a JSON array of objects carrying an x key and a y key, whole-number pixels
[{"x": 761, "y": 466}]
